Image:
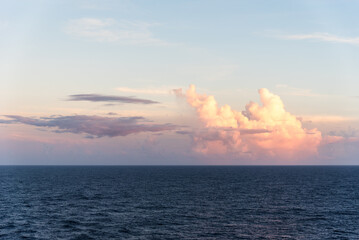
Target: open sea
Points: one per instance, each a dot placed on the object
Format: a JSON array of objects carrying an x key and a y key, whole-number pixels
[{"x": 179, "y": 202}]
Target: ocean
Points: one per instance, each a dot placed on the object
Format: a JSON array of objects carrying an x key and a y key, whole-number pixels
[{"x": 179, "y": 202}]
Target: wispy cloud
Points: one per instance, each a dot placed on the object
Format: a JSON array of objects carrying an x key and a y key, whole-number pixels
[
  {"x": 108, "y": 98},
  {"x": 326, "y": 37},
  {"x": 111, "y": 113},
  {"x": 95, "y": 126},
  {"x": 110, "y": 30},
  {"x": 303, "y": 92},
  {"x": 149, "y": 91},
  {"x": 217, "y": 129},
  {"x": 326, "y": 118}
]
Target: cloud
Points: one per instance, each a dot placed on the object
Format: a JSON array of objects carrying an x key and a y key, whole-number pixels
[
  {"x": 326, "y": 37},
  {"x": 5, "y": 121},
  {"x": 338, "y": 147},
  {"x": 266, "y": 130},
  {"x": 94, "y": 126},
  {"x": 326, "y": 119},
  {"x": 350, "y": 132},
  {"x": 178, "y": 93},
  {"x": 107, "y": 98},
  {"x": 184, "y": 132},
  {"x": 288, "y": 90},
  {"x": 110, "y": 30},
  {"x": 111, "y": 113},
  {"x": 151, "y": 91},
  {"x": 218, "y": 140},
  {"x": 253, "y": 131},
  {"x": 204, "y": 130}
]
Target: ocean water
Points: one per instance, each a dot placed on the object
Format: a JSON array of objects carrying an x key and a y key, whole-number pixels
[{"x": 179, "y": 202}]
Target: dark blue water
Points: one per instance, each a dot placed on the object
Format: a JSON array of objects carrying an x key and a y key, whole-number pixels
[{"x": 179, "y": 202}]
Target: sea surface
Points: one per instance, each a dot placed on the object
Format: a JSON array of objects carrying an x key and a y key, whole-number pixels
[{"x": 179, "y": 202}]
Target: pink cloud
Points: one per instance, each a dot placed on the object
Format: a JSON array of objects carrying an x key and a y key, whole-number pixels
[{"x": 265, "y": 130}]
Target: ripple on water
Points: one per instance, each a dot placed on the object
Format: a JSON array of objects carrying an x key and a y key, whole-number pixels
[{"x": 179, "y": 202}]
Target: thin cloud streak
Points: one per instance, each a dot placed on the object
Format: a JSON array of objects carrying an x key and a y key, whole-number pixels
[
  {"x": 108, "y": 98},
  {"x": 110, "y": 30},
  {"x": 150, "y": 91},
  {"x": 95, "y": 126},
  {"x": 326, "y": 118},
  {"x": 302, "y": 92},
  {"x": 241, "y": 131},
  {"x": 326, "y": 37}
]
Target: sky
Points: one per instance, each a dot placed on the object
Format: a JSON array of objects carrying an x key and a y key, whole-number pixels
[{"x": 197, "y": 82}]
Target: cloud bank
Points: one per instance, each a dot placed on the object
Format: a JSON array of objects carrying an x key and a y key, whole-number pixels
[
  {"x": 94, "y": 126},
  {"x": 108, "y": 98},
  {"x": 266, "y": 130}
]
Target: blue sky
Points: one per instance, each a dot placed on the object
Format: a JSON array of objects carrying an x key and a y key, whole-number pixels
[{"x": 306, "y": 52}]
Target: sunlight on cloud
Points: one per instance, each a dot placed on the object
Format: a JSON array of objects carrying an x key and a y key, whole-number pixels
[
  {"x": 277, "y": 132},
  {"x": 327, "y": 119}
]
